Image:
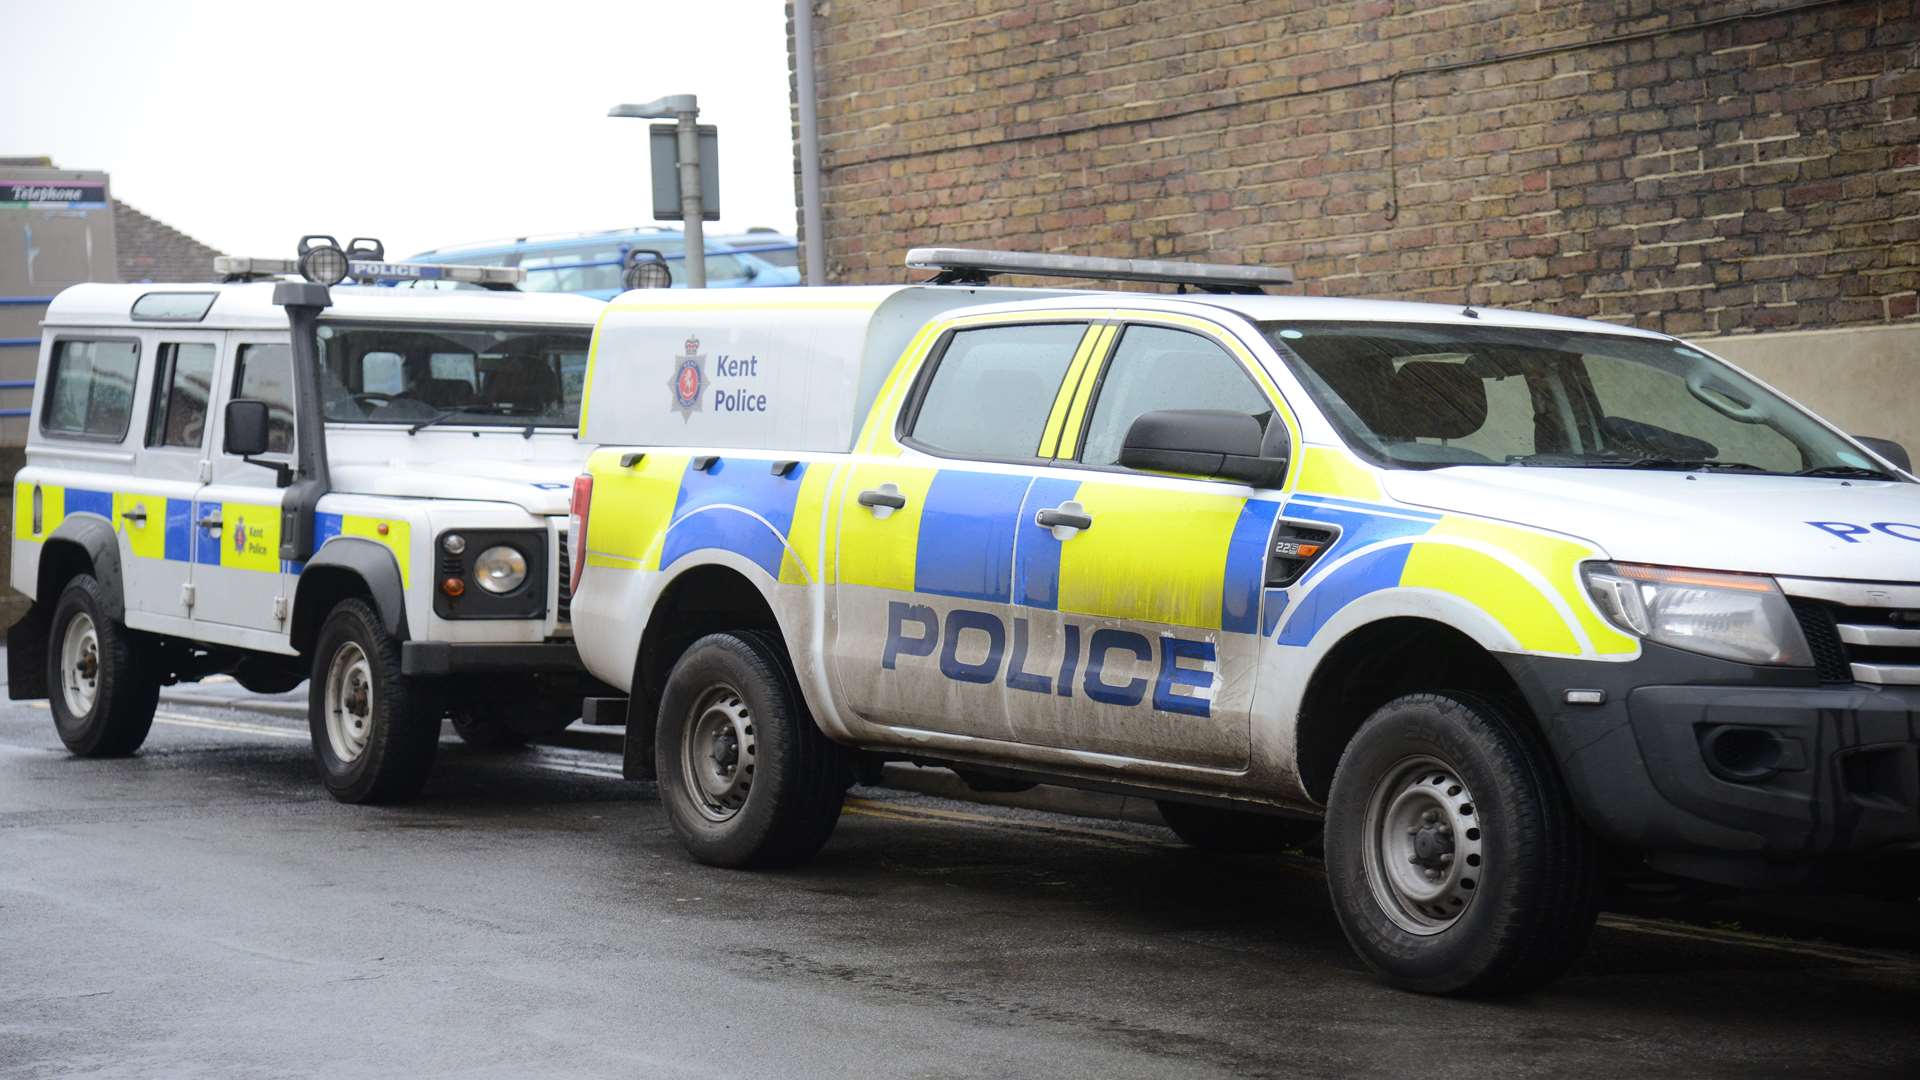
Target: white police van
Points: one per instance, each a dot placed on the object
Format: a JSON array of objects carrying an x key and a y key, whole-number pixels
[{"x": 363, "y": 486}]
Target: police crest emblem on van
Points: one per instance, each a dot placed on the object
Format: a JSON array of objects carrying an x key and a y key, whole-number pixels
[{"x": 689, "y": 380}]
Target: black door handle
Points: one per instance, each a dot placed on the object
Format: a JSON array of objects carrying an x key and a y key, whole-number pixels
[
  {"x": 892, "y": 500},
  {"x": 1055, "y": 519},
  {"x": 136, "y": 516}
]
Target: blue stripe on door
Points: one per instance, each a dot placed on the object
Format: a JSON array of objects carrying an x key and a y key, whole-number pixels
[
  {"x": 1036, "y": 554},
  {"x": 1246, "y": 567},
  {"x": 966, "y": 535},
  {"x": 179, "y": 538}
]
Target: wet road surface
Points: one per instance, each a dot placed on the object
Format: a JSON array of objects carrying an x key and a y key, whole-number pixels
[{"x": 204, "y": 909}]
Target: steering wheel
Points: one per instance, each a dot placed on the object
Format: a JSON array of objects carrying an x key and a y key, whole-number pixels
[{"x": 370, "y": 397}]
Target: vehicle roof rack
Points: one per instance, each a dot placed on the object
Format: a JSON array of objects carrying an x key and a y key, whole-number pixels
[{"x": 969, "y": 266}]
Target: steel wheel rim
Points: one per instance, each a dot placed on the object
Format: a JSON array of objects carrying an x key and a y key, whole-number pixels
[
  {"x": 1424, "y": 852},
  {"x": 80, "y": 664},
  {"x": 349, "y": 701},
  {"x": 717, "y": 754}
]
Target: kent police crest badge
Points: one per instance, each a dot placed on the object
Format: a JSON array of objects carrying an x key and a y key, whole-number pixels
[{"x": 689, "y": 380}]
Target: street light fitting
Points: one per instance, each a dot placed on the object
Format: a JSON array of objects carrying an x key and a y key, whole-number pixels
[{"x": 666, "y": 108}]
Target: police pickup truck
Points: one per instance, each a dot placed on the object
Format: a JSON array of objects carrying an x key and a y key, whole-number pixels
[
  {"x": 1494, "y": 594},
  {"x": 365, "y": 486}
]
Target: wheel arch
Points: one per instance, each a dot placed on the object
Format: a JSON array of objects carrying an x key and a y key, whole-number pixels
[
  {"x": 348, "y": 567},
  {"x": 1376, "y": 662},
  {"x": 700, "y": 598},
  {"x": 82, "y": 545}
]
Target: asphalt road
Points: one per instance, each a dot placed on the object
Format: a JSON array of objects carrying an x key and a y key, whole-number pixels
[{"x": 204, "y": 909}]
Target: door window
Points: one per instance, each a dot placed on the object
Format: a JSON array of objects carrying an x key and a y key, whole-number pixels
[
  {"x": 182, "y": 384},
  {"x": 265, "y": 373},
  {"x": 1157, "y": 368},
  {"x": 992, "y": 389},
  {"x": 90, "y": 389}
]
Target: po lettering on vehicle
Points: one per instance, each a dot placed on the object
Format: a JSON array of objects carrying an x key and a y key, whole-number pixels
[
  {"x": 1852, "y": 533},
  {"x": 1101, "y": 664}
]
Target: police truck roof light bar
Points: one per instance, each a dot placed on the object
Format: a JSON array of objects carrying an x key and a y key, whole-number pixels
[
  {"x": 968, "y": 266},
  {"x": 322, "y": 261}
]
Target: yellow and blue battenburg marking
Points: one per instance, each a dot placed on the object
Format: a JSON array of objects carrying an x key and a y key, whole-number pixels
[
  {"x": 1160, "y": 555},
  {"x": 247, "y": 538}
]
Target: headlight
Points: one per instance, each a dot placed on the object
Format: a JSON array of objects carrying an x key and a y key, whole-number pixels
[
  {"x": 1742, "y": 617},
  {"x": 500, "y": 569}
]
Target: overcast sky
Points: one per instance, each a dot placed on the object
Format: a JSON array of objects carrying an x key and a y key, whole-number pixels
[{"x": 246, "y": 124}]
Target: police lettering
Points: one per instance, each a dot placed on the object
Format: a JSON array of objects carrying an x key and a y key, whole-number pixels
[
  {"x": 1180, "y": 684},
  {"x": 735, "y": 368},
  {"x": 1851, "y": 533}
]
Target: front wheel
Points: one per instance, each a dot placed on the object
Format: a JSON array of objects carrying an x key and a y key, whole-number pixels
[
  {"x": 1455, "y": 860},
  {"x": 373, "y": 734},
  {"x": 746, "y": 776},
  {"x": 100, "y": 677}
]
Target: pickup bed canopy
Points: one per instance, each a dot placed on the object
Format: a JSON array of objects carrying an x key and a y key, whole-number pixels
[{"x": 790, "y": 369}]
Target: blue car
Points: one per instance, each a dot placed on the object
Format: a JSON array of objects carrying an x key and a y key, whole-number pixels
[{"x": 590, "y": 263}]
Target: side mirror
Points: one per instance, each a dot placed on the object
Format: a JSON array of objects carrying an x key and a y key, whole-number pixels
[
  {"x": 1888, "y": 449},
  {"x": 246, "y": 428},
  {"x": 246, "y": 437},
  {"x": 1206, "y": 442}
]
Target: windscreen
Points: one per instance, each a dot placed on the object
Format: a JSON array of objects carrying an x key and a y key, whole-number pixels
[
  {"x": 1420, "y": 396},
  {"x": 383, "y": 373}
]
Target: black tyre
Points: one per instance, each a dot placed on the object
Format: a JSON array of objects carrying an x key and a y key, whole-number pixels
[
  {"x": 1212, "y": 828},
  {"x": 1455, "y": 861},
  {"x": 374, "y": 731},
  {"x": 101, "y": 681},
  {"x": 747, "y": 777}
]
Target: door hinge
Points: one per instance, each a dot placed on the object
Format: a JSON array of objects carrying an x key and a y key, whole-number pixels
[
  {"x": 280, "y": 609},
  {"x": 186, "y": 597}
]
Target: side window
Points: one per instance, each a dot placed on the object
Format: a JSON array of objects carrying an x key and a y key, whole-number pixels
[
  {"x": 1156, "y": 368},
  {"x": 182, "y": 385},
  {"x": 265, "y": 373},
  {"x": 992, "y": 389},
  {"x": 90, "y": 389}
]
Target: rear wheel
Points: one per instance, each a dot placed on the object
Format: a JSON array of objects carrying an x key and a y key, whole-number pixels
[
  {"x": 746, "y": 776},
  {"x": 1455, "y": 860},
  {"x": 1217, "y": 829},
  {"x": 374, "y": 732},
  {"x": 101, "y": 682}
]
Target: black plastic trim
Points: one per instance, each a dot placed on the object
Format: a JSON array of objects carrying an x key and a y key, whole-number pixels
[
  {"x": 511, "y": 658},
  {"x": 374, "y": 565}
]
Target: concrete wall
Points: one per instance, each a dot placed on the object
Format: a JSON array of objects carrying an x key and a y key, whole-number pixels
[{"x": 1865, "y": 379}]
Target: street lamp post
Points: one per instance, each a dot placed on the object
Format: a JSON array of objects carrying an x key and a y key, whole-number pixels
[{"x": 685, "y": 110}]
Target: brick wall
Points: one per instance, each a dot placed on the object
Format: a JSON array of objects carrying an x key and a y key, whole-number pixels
[
  {"x": 152, "y": 250},
  {"x": 1676, "y": 165}
]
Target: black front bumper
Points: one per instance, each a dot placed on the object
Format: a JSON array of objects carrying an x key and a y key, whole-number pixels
[
  {"x": 517, "y": 658},
  {"x": 1730, "y": 772}
]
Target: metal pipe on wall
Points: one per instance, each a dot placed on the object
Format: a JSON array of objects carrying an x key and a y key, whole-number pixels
[{"x": 813, "y": 240}]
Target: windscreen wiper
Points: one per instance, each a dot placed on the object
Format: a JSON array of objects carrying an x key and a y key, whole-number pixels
[
  {"x": 432, "y": 420},
  {"x": 1859, "y": 472},
  {"x": 1676, "y": 464}
]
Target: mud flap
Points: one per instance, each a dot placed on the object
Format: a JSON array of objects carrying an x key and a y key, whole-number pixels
[
  {"x": 27, "y": 655},
  {"x": 636, "y": 760}
]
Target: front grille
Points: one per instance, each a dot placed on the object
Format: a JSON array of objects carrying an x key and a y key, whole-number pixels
[
  {"x": 564, "y": 607},
  {"x": 1860, "y": 632}
]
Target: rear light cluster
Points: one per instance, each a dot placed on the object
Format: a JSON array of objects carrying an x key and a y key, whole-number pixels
[{"x": 577, "y": 530}]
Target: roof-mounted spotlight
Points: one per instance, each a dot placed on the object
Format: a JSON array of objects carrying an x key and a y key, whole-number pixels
[
  {"x": 646, "y": 269},
  {"x": 322, "y": 263}
]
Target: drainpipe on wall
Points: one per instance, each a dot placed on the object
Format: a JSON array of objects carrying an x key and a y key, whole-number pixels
[{"x": 803, "y": 91}]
